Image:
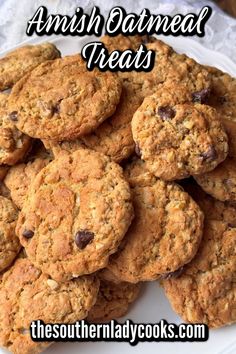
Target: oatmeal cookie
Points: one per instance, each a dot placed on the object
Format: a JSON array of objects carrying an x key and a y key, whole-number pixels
[
  {"x": 165, "y": 233},
  {"x": 61, "y": 100},
  {"x": 13, "y": 143},
  {"x": 26, "y": 294},
  {"x": 20, "y": 176},
  {"x": 221, "y": 182},
  {"x": 113, "y": 301},
  {"x": 205, "y": 291},
  {"x": 9, "y": 242},
  {"x": 178, "y": 139},
  {"x": 211, "y": 207},
  {"x": 77, "y": 211},
  {"x": 20, "y": 61},
  {"x": 223, "y": 96}
]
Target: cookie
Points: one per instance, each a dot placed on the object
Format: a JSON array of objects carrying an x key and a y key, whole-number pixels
[
  {"x": 121, "y": 42},
  {"x": 165, "y": 233},
  {"x": 20, "y": 176},
  {"x": 20, "y": 61},
  {"x": 61, "y": 100},
  {"x": 212, "y": 208},
  {"x": 26, "y": 294},
  {"x": 205, "y": 291},
  {"x": 223, "y": 96},
  {"x": 114, "y": 136},
  {"x": 178, "y": 139},
  {"x": 113, "y": 301},
  {"x": 3, "y": 171},
  {"x": 221, "y": 182},
  {"x": 77, "y": 211},
  {"x": 13, "y": 143},
  {"x": 9, "y": 242}
]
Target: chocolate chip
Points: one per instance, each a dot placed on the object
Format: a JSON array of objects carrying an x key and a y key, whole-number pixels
[
  {"x": 28, "y": 233},
  {"x": 232, "y": 225},
  {"x": 222, "y": 99},
  {"x": 83, "y": 238},
  {"x": 56, "y": 109},
  {"x": 166, "y": 112},
  {"x": 210, "y": 154},
  {"x": 175, "y": 274},
  {"x": 201, "y": 96},
  {"x": 13, "y": 116},
  {"x": 137, "y": 150}
]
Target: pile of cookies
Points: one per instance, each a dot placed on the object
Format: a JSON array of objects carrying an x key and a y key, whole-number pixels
[{"x": 110, "y": 180}]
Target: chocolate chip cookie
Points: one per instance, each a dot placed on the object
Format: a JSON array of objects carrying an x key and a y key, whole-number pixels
[
  {"x": 113, "y": 301},
  {"x": 178, "y": 139},
  {"x": 211, "y": 207},
  {"x": 205, "y": 291},
  {"x": 165, "y": 233},
  {"x": 77, "y": 211},
  {"x": 13, "y": 143},
  {"x": 221, "y": 182},
  {"x": 223, "y": 96},
  {"x": 61, "y": 100},
  {"x": 114, "y": 136},
  {"x": 9, "y": 242},
  {"x": 20, "y": 61},
  {"x": 26, "y": 294}
]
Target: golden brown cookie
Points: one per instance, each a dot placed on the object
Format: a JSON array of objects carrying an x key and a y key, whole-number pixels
[
  {"x": 121, "y": 42},
  {"x": 205, "y": 291},
  {"x": 223, "y": 96},
  {"x": 165, "y": 233},
  {"x": 9, "y": 242},
  {"x": 113, "y": 301},
  {"x": 61, "y": 100},
  {"x": 77, "y": 211},
  {"x": 26, "y": 294},
  {"x": 212, "y": 208},
  {"x": 20, "y": 176},
  {"x": 178, "y": 139},
  {"x": 114, "y": 137},
  {"x": 13, "y": 143},
  {"x": 22, "y": 60},
  {"x": 221, "y": 182}
]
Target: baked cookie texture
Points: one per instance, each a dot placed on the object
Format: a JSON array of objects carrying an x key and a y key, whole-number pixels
[
  {"x": 211, "y": 207},
  {"x": 13, "y": 143},
  {"x": 77, "y": 211},
  {"x": 205, "y": 291},
  {"x": 26, "y": 294},
  {"x": 221, "y": 182},
  {"x": 165, "y": 233},
  {"x": 114, "y": 136},
  {"x": 20, "y": 61},
  {"x": 20, "y": 176},
  {"x": 113, "y": 301},
  {"x": 223, "y": 93},
  {"x": 178, "y": 139},
  {"x": 61, "y": 100},
  {"x": 121, "y": 42},
  {"x": 9, "y": 242}
]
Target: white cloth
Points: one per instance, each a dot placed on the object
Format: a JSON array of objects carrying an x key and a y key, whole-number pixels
[{"x": 220, "y": 28}]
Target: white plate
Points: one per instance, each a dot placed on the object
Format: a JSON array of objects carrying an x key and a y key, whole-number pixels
[{"x": 153, "y": 306}]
